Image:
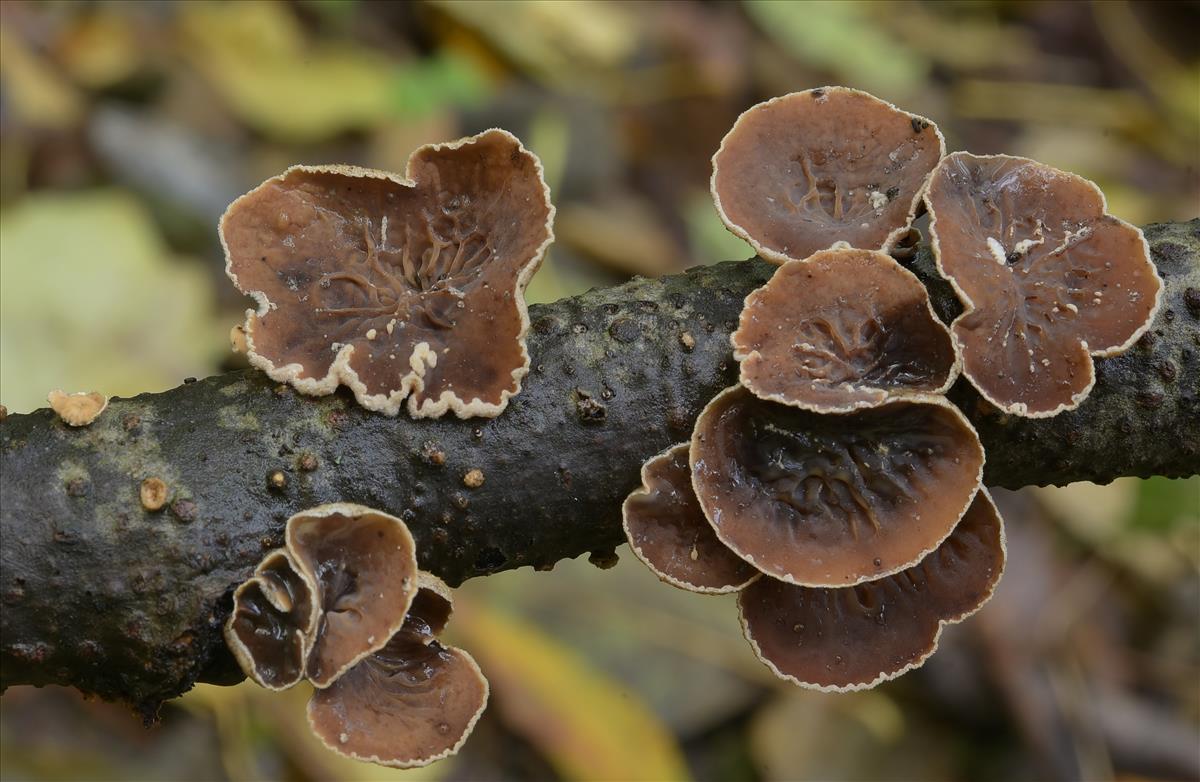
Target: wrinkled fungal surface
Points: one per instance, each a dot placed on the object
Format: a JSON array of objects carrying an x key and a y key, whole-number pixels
[
  {"x": 410, "y": 703},
  {"x": 1048, "y": 278},
  {"x": 364, "y": 565},
  {"x": 842, "y": 330},
  {"x": 667, "y": 530},
  {"x": 833, "y": 500},
  {"x": 273, "y": 623},
  {"x": 396, "y": 287},
  {"x": 800, "y": 172},
  {"x": 855, "y": 637}
]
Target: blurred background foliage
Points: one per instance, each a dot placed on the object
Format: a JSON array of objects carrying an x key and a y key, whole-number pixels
[{"x": 127, "y": 127}]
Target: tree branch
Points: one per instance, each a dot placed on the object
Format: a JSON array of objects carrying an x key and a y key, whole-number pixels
[{"x": 100, "y": 594}]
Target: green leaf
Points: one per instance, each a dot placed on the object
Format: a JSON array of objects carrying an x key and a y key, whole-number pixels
[
  {"x": 425, "y": 87},
  {"x": 841, "y": 37},
  {"x": 1164, "y": 504},
  {"x": 710, "y": 240}
]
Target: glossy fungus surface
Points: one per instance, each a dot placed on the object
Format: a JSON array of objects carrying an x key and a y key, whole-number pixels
[
  {"x": 273, "y": 623},
  {"x": 842, "y": 330},
  {"x": 833, "y": 500},
  {"x": 398, "y": 287},
  {"x": 410, "y": 703},
  {"x": 855, "y": 637},
  {"x": 1047, "y": 277},
  {"x": 667, "y": 530},
  {"x": 364, "y": 565},
  {"x": 800, "y": 172}
]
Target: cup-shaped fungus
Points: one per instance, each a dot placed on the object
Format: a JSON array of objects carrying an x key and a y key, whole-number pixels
[
  {"x": 855, "y": 637},
  {"x": 833, "y": 500},
  {"x": 410, "y": 703},
  {"x": 274, "y": 622},
  {"x": 398, "y": 287},
  {"x": 842, "y": 330},
  {"x": 801, "y": 172},
  {"x": 364, "y": 565},
  {"x": 1048, "y": 278},
  {"x": 78, "y": 409},
  {"x": 667, "y": 530}
]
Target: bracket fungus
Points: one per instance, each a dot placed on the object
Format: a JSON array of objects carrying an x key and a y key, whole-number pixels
[
  {"x": 78, "y": 409},
  {"x": 803, "y": 171},
  {"x": 398, "y": 287},
  {"x": 833, "y": 500},
  {"x": 1047, "y": 277},
  {"x": 344, "y": 606},
  {"x": 842, "y": 330},
  {"x": 364, "y": 565},
  {"x": 410, "y": 703},
  {"x": 668, "y": 532},
  {"x": 855, "y": 637},
  {"x": 274, "y": 622}
]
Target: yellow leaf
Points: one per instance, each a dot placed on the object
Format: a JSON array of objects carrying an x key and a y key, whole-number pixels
[
  {"x": 560, "y": 43},
  {"x": 256, "y": 57},
  {"x": 90, "y": 300},
  {"x": 247, "y": 715},
  {"x": 588, "y": 725},
  {"x": 38, "y": 95}
]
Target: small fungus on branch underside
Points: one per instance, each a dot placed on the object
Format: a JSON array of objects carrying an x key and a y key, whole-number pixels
[
  {"x": 274, "y": 622},
  {"x": 410, "y": 703},
  {"x": 344, "y": 606},
  {"x": 364, "y": 565}
]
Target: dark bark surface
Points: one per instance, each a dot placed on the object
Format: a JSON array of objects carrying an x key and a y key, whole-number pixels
[{"x": 102, "y": 595}]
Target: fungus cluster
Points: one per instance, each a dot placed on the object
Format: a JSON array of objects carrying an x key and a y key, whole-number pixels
[
  {"x": 344, "y": 606},
  {"x": 399, "y": 287},
  {"x": 1046, "y": 276},
  {"x": 834, "y": 487}
]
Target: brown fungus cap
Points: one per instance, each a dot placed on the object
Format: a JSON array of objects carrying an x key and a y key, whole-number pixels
[
  {"x": 412, "y": 702},
  {"x": 364, "y": 564},
  {"x": 855, "y": 637},
  {"x": 274, "y": 622},
  {"x": 844, "y": 329},
  {"x": 833, "y": 500},
  {"x": 1048, "y": 278},
  {"x": 667, "y": 530},
  {"x": 801, "y": 172},
  {"x": 78, "y": 409},
  {"x": 399, "y": 287},
  {"x": 433, "y": 603}
]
